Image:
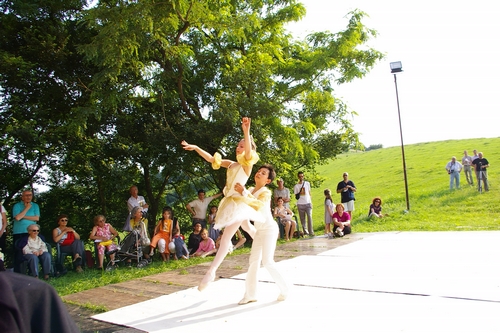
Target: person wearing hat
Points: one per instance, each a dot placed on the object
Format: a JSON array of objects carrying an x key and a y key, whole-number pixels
[{"x": 198, "y": 208}]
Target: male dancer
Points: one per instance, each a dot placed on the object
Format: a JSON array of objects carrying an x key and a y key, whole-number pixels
[{"x": 264, "y": 241}]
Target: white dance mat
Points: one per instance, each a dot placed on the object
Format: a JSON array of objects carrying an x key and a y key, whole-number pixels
[{"x": 388, "y": 282}]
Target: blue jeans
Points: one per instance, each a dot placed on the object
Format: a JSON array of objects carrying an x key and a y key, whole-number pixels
[
  {"x": 33, "y": 261},
  {"x": 455, "y": 175}
]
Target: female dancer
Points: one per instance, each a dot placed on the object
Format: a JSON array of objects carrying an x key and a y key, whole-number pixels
[{"x": 234, "y": 210}]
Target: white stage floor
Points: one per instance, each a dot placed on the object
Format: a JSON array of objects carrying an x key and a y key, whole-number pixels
[{"x": 387, "y": 282}]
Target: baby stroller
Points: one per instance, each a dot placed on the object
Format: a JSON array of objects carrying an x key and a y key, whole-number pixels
[{"x": 130, "y": 248}]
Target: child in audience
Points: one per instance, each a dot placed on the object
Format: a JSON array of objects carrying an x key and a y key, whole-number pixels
[
  {"x": 207, "y": 245},
  {"x": 212, "y": 232},
  {"x": 328, "y": 212},
  {"x": 181, "y": 250}
]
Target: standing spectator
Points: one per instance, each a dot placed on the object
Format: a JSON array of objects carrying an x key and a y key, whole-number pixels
[
  {"x": 283, "y": 193},
  {"x": 302, "y": 191},
  {"x": 25, "y": 213},
  {"x": 480, "y": 164},
  {"x": 3, "y": 227},
  {"x": 475, "y": 155},
  {"x": 346, "y": 188},
  {"x": 454, "y": 168},
  {"x": 136, "y": 200},
  {"x": 467, "y": 164},
  {"x": 212, "y": 232},
  {"x": 328, "y": 212},
  {"x": 198, "y": 208},
  {"x": 341, "y": 221}
]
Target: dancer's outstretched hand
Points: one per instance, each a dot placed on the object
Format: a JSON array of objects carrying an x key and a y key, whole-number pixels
[{"x": 187, "y": 146}]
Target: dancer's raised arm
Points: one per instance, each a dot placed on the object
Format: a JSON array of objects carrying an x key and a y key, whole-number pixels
[
  {"x": 245, "y": 126},
  {"x": 209, "y": 158}
]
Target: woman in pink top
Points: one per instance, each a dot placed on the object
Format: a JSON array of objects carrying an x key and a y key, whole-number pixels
[
  {"x": 206, "y": 247},
  {"x": 341, "y": 221}
]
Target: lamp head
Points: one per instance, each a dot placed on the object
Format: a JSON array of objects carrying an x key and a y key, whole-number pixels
[{"x": 396, "y": 67}]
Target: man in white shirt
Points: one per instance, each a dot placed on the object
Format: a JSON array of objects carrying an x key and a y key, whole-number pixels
[
  {"x": 136, "y": 200},
  {"x": 304, "y": 203},
  {"x": 467, "y": 164},
  {"x": 198, "y": 208},
  {"x": 454, "y": 168}
]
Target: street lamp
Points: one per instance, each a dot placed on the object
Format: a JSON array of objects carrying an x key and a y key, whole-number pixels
[{"x": 397, "y": 67}]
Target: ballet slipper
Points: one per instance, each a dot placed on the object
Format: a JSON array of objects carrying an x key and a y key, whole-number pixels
[
  {"x": 207, "y": 279},
  {"x": 246, "y": 301},
  {"x": 282, "y": 297}
]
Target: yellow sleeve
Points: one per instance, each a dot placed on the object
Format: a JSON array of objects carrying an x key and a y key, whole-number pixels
[
  {"x": 217, "y": 161},
  {"x": 242, "y": 161}
]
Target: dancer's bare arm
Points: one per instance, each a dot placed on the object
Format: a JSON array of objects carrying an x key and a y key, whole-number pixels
[{"x": 209, "y": 158}]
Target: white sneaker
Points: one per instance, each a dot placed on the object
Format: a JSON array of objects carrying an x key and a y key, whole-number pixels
[{"x": 339, "y": 233}]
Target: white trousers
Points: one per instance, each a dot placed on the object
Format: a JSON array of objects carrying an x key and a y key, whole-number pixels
[{"x": 263, "y": 247}]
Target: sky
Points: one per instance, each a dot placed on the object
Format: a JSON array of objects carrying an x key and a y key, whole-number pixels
[{"x": 449, "y": 85}]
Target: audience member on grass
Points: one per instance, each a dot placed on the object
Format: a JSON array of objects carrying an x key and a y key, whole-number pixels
[
  {"x": 181, "y": 250},
  {"x": 212, "y": 232},
  {"x": 285, "y": 215},
  {"x": 35, "y": 251},
  {"x": 194, "y": 238},
  {"x": 264, "y": 242},
  {"x": 198, "y": 208},
  {"x": 302, "y": 191},
  {"x": 206, "y": 247},
  {"x": 454, "y": 168},
  {"x": 346, "y": 188},
  {"x": 376, "y": 208},
  {"x": 282, "y": 192},
  {"x": 480, "y": 167},
  {"x": 3, "y": 228},
  {"x": 24, "y": 213},
  {"x": 467, "y": 164},
  {"x": 140, "y": 223},
  {"x": 341, "y": 221},
  {"x": 163, "y": 232},
  {"x": 103, "y": 234},
  {"x": 328, "y": 212},
  {"x": 69, "y": 242},
  {"x": 234, "y": 210}
]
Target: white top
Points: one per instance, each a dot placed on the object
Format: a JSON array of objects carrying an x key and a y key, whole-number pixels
[
  {"x": 200, "y": 207},
  {"x": 284, "y": 193},
  {"x": 133, "y": 202},
  {"x": 1, "y": 216},
  {"x": 305, "y": 194}
]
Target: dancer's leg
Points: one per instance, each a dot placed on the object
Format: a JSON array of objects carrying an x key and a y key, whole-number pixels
[
  {"x": 253, "y": 268},
  {"x": 225, "y": 242},
  {"x": 268, "y": 249}
]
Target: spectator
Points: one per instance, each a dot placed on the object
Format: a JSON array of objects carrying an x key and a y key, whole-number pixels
[
  {"x": 206, "y": 247},
  {"x": 25, "y": 213},
  {"x": 341, "y": 221},
  {"x": 198, "y": 208},
  {"x": 181, "y": 250},
  {"x": 467, "y": 164},
  {"x": 302, "y": 191},
  {"x": 35, "y": 251},
  {"x": 212, "y": 232},
  {"x": 328, "y": 213},
  {"x": 3, "y": 228},
  {"x": 140, "y": 223},
  {"x": 136, "y": 200},
  {"x": 163, "y": 233},
  {"x": 454, "y": 168},
  {"x": 376, "y": 208},
  {"x": 103, "y": 233},
  {"x": 346, "y": 189},
  {"x": 69, "y": 242},
  {"x": 195, "y": 238},
  {"x": 282, "y": 192},
  {"x": 480, "y": 166},
  {"x": 285, "y": 218}
]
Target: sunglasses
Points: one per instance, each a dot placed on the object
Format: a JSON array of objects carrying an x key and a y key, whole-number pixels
[
  {"x": 35, "y": 230},
  {"x": 63, "y": 220}
]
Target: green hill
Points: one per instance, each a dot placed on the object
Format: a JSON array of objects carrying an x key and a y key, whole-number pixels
[{"x": 432, "y": 205}]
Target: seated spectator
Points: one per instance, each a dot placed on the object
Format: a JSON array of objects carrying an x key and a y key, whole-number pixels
[
  {"x": 376, "y": 208},
  {"x": 206, "y": 247},
  {"x": 103, "y": 233},
  {"x": 194, "y": 239},
  {"x": 341, "y": 221},
  {"x": 181, "y": 250},
  {"x": 212, "y": 232},
  {"x": 163, "y": 231},
  {"x": 285, "y": 215},
  {"x": 35, "y": 251},
  {"x": 69, "y": 242}
]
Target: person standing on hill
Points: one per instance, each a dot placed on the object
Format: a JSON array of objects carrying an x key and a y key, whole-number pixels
[
  {"x": 346, "y": 188},
  {"x": 302, "y": 191},
  {"x": 467, "y": 164},
  {"x": 454, "y": 168},
  {"x": 480, "y": 165}
]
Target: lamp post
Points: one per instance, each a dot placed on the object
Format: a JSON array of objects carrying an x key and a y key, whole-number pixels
[{"x": 397, "y": 67}]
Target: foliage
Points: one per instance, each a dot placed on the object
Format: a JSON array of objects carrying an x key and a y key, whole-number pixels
[{"x": 373, "y": 147}]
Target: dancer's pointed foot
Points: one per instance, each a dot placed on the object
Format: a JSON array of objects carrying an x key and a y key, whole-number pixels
[
  {"x": 207, "y": 279},
  {"x": 282, "y": 297},
  {"x": 246, "y": 301}
]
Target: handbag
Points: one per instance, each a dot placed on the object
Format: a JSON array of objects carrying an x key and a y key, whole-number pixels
[
  {"x": 70, "y": 238},
  {"x": 297, "y": 195},
  {"x": 144, "y": 234}
]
